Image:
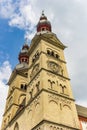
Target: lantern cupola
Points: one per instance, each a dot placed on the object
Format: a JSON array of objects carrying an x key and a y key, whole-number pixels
[
  {"x": 43, "y": 24},
  {"x": 23, "y": 55}
]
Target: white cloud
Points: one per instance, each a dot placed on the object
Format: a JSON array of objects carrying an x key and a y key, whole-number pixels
[
  {"x": 6, "y": 8},
  {"x": 20, "y": 14},
  {"x": 6, "y": 67},
  {"x": 5, "y": 71},
  {"x": 29, "y": 35}
]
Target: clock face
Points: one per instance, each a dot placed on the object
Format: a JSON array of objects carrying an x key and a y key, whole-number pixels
[{"x": 53, "y": 66}]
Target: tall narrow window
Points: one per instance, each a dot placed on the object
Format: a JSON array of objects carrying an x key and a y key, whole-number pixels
[
  {"x": 21, "y": 86},
  {"x": 16, "y": 127},
  {"x": 25, "y": 87},
  {"x": 52, "y": 53},
  {"x": 57, "y": 56},
  {"x": 43, "y": 29},
  {"x": 48, "y": 52}
]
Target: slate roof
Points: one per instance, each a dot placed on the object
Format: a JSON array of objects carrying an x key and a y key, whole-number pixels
[{"x": 82, "y": 111}]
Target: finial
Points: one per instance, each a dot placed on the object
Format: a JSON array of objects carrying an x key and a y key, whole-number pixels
[
  {"x": 42, "y": 12},
  {"x": 26, "y": 40}
]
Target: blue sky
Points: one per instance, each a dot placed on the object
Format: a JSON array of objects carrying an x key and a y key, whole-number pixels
[
  {"x": 11, "y": 41},
  {"x": 69, "y": 22}
]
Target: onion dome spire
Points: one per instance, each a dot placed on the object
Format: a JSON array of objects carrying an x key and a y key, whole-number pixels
[
  {"x": 43, "y": 24},
  {"x": 23, "y": 55}
]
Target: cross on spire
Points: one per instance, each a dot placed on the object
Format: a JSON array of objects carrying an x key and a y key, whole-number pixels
[{"x": 42, "y": 12}]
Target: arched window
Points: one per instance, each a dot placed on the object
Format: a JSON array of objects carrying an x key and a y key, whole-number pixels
[
  {"x": 26, "y": 74},
  {"x": 42, "y": 29},
  {"x": 26, "y": 60},
  {"x": 22, "y": 100},
  {"x": 52, "y": 53},
  {"x": 22, "y": 86},
  {"x": 56, "y": 55},
  {"x": 37, "y": 54},
  {"x": 25, "y": 87},
  {"x": 22, "y": 60},
  {"x": 16, "y": 127},
  {"x": 33, "y": 59},
  {"x": 48, "y": 52},
  {"x": 10, "y": 102}
]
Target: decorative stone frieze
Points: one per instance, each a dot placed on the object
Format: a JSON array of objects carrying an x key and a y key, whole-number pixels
[{"x": 59, "y": 100}]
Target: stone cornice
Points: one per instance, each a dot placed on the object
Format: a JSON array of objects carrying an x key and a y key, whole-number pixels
[
  {"x": 15, "y": 89},
  {"x": 49, "y": 92},
  {"x": 9, "y": 108},
  {"x": 50, "y": 122},
  {"x": 14, "y": 118},
  {"x": 50, "y": 72}
]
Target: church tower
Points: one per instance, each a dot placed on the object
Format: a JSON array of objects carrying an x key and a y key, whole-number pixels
[
  {"x": 17, "y": 88},
  {"x": 40, "y": 95}
]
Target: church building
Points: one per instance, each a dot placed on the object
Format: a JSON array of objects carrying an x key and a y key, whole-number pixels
[{"x": 40, "y": 95}]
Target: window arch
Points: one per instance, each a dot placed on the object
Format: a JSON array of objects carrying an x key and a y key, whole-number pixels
[
  {"x": 23, "y": 87},
  {"x": 42, "y": 29},
  {"x": 16, "y": 127},
  {"x": 9, "y": 102},
  {"x": 52, "y": 53},
  {"x": 21, "y": 98},
  {"x": 56, "y": 55},
  {"x": 48, "y": 52}
]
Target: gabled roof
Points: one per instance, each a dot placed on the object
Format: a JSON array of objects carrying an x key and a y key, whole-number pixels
[
  {"x": 48, "y": 37},
  {"x": 82, "y": 111},
  {"x": 17, "y": 71},
  {"x": 51, "y": 37}
]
